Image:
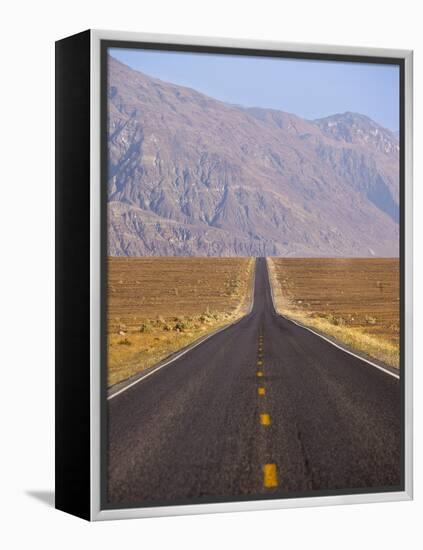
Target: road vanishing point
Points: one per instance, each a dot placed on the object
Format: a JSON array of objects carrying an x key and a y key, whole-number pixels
[{"x": 262, "y": 408}]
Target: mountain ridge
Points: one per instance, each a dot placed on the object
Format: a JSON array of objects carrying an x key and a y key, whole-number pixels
[{"x": 191, "y": 175}]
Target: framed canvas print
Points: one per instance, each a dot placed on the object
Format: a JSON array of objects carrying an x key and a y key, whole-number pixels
[{"x": 234, "y": 259}]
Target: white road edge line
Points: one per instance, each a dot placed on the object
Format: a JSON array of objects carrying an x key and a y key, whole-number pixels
[
  {"x": 324, "y": 337},
  {"x": 188, "y": 348}
]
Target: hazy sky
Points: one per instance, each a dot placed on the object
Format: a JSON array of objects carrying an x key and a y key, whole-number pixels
[{"x": 310, "y": 89}]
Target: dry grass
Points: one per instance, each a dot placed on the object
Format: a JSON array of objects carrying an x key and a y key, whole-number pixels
[
  {"x": 356, "y": 301},
  {"x": 156, "y": 306}
]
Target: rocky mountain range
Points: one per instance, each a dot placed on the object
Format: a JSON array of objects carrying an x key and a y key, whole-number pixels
[{"x": 191, "y": 175}]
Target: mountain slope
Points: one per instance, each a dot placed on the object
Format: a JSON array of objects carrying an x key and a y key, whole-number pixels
[{"x": 192, "y": 175}]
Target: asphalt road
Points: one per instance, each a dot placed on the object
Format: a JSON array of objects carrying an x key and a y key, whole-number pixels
[{"x": 263, "y": 408}]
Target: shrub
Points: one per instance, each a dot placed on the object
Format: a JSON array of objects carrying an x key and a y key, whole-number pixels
[
  {"x": 124, "y": 342},
  {"x": 337, "y": 321},
  {"x": 145, "y": 327},
  {"x": 370, "y": 320}
]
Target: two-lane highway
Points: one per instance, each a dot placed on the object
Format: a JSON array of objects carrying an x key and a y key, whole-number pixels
[{"x": 263, "y": 407}]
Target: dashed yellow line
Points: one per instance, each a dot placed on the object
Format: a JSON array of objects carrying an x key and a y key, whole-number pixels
[
  {"x": 270, "y": 476},
  {"x": 265, "y": 419},
  {"x": 270, "y": 473}
]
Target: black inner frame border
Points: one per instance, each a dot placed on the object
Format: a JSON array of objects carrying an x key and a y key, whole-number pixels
[{"x": 250, "y": 52}]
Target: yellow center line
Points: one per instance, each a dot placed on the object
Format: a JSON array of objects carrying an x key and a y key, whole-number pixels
[
  {"x": 259, "y": 362},
  {"x": 270, "y": 476},
  {"x": 265, "y": 419},
  {"x": 261, "y": 391},
  {"x": 259, "y": 373}
]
